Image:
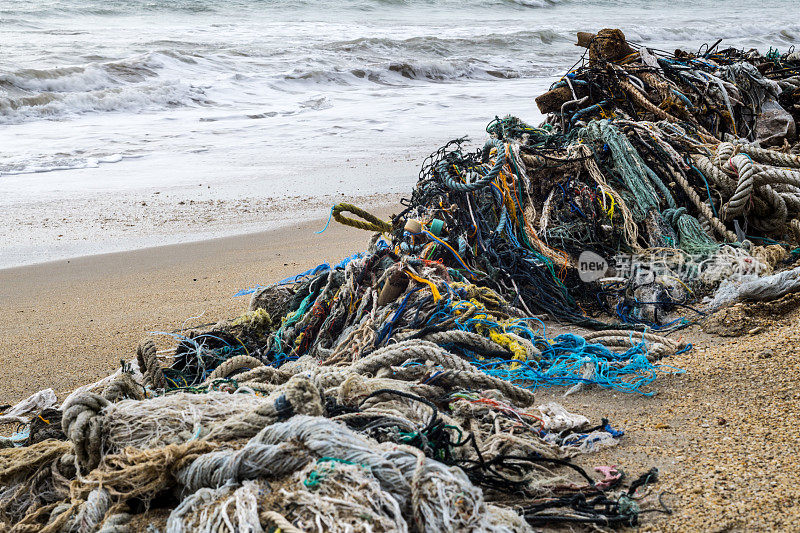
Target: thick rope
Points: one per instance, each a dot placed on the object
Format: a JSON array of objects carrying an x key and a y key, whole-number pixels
[
  {"x": 472, "y": 380},
  {"x": 150, "y": 366},
  {"x": 123, "y": 387},
  {"x": 264, "y": 374},
  {"x": 407, "y": 351},
  {"x": 465, "y": 338},
  {"x": 298, "y": 396},
  {"x": 232, "y": 365},
  {"x": 704, "y": 208},
  {"x": 279, "y": 521},
  {"x": 82, "y": 423},
  {"x": 140, "y": 473},
  {"x": 770, "y": 157},
  {"x": 370, "y": 222},
  {"x": 744, "y": 189},
  {"x": 16, "y": 461},
  {"x": 643, "y": 102},
  {"x": 484, "y": 180}
]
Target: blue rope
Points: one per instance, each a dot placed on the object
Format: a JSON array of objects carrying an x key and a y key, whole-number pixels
[{"x": 327, "y": 224}]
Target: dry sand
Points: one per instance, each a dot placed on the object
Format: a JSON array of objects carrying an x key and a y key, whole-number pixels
[
  {"x": 723, "y": 435},
  {"x": 69, "y": 322}
]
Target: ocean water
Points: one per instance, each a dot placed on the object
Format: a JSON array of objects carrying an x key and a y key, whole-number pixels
[{"x": 260, "y": 97}]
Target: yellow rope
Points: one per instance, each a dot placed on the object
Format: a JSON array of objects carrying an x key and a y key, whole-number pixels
[
  {"x": 432, "y": 285},
  {"x": 504, "y": 340},
  {"x": 372, "y": 223},
  {"x": 243, "y": 346}
]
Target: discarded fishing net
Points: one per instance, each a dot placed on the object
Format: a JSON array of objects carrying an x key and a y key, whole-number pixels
[
  {"x": 649, "y": 183},
  {"x": 396, "y": 390},
  {"x": 346, "y": 414}
]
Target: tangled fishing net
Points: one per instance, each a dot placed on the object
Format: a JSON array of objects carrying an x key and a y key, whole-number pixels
[{"x": 395, "y": 391}]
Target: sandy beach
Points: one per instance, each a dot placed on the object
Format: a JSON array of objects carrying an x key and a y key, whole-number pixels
[
  {"x": 70, "y": 322},
  {"x": 722, "y": 434},
  {"x": 629, "y": 167},
  {"x": 58, "y": 215}
]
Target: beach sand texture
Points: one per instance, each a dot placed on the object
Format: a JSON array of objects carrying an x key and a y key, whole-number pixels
[{"x": 69, "y": 322}]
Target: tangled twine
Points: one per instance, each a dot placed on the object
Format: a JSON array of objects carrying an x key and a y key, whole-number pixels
[{"x": 396, "y": 390}]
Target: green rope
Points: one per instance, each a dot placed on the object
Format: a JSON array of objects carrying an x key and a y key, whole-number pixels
[
  {"x": 372, "y": 223},
  {"x": 692, "y": 238},
  {"x": 630, "y": 167},
  {"x": 325, "y": 465},
  {"x": 290, "y": 320}
]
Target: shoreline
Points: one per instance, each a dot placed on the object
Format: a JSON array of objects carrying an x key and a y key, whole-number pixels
[{"x": 127, "y": 221}]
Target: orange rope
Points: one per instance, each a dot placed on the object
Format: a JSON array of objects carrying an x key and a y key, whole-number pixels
[{"x": 434, "y": 290}]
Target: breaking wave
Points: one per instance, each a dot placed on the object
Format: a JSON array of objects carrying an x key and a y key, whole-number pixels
[{"x": 141, "y": 83}]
